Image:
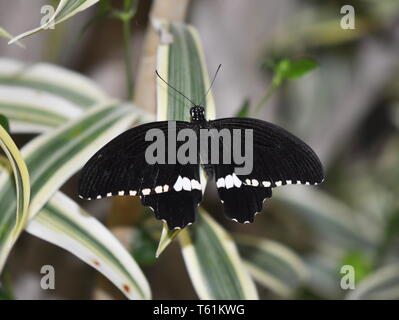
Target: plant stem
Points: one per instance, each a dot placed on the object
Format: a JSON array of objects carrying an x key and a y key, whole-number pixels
[
  {"x": 126, "y": 16},
  {"x": 128, "y": 57},
  {"x": 267, "y": 96}
]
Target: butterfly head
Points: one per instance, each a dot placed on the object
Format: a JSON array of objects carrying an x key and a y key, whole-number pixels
[{"x": 197, "y": 113}]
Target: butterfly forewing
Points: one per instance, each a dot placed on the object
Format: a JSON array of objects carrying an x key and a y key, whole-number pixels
[
  {"x": 278, "y": 158},
  {"x": 173, "y": 191}
]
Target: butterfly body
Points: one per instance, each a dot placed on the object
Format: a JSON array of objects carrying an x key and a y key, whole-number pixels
[{"x": 174, "y": 190}]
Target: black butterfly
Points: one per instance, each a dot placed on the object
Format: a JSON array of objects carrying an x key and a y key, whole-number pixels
[{"x": 174, "y": 191}]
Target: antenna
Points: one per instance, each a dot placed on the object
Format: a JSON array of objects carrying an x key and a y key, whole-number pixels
[
  {"x": 213, "y": 80},
  {"x": 194, "y": 104}
]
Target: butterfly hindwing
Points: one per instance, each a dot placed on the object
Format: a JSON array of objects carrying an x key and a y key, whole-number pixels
[
  {"x": 278, "y": 158},
  {"x": 173, "y": 191},
  {"x": 178, "y": 206},
  {"x": 240, "y": 201}
]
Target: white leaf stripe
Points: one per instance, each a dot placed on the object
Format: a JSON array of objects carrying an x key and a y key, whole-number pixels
[
  {"x": 63, "y": 223},
  {"x": 183, "y": 65},
  {"x": 381, "y": 284},
  {"x": 53, "y": 158},
  {"x": 72, "y": 7},
  {"x": 22, "y": 192},
  {"x": 330, "y": 219},
  {"x": 213, "y": 263},
  {"x": 185, "y": 49},
  {"x": 5, "y": 34},
  {"x": 51, "y": 79},
  {"x": 31, "y": 118},
  {"x": 272, "y": 264},
  {"x": 65, "y": 10}
]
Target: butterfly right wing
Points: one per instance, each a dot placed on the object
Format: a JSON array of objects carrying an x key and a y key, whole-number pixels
[
  {"x": 173, "y": 191},
  {"x": 279, "y": 158}
]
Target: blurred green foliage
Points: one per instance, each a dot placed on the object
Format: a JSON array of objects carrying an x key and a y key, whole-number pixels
[{"x": 4, "y": 123}]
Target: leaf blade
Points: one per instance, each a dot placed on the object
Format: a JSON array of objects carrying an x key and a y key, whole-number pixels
[
  {"x": 22, "y": 189},
  {"x": 213, "y": 262},
  {"x": 52, "y": 158},
  {"x": 64, "y": 10},
  {"x": 28, "y": 94},
  {"x": 272, "y": 265},
  {"x": 63, "y": 223}
]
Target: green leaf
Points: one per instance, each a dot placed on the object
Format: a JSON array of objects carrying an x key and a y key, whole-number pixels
[
  {"x": 211, "y": 257},
  {"x": 6, "y": 291},
  {"x": 20, "y": 189},
  {"x": 292, "y": 69},
  {"x": 143, "y": 246},
  {"x": 271, "y": 264},
  {"x": 331, "y": 221},
  {"x": 181, "y": 63},
  {"x": 361, "y": 264},
  {"x": 54, "y": 157},
  {"x": 213, "y": 262},
  {"x": 4, "y": 123},
  {"x": 63, "y": 223},
  {"x": 65, "y": 10},
  {"x": 383, "y": 284},
  {"x": 28, "y": 94},
  {"x": 244, "y": 110},
  {"x": 167, "y": 236},
  {"x": 5, "y": 34}
]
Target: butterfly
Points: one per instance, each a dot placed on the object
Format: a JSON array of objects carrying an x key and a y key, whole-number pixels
[{"x": 174, "y": 190}]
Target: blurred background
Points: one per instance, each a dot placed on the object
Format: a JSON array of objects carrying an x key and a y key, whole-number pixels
[{"x": 347, "y": 109}]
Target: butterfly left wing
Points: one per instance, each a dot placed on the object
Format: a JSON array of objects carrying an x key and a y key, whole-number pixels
[
  {"x": 279, "y": 158},
  {"x": 173, "y": 191}
]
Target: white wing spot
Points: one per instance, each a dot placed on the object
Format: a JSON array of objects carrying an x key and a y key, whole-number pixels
[
  {"x": 98, "y": 197},
  {"x": 229, "y": 181},
  {"x": 288, "y": 182},
  {"x": 146, "y": 191},
  {"x": 278, "y": 183},
  {"x": 248, "y": 182},
  {"x": 121, "y": 193},
  {"x": 237, "y": 181},
  {"x": 220, "y": 183},
  {"x": 255, "y": 182},
  {"x": 165, "y": 188},
  {"x": 186, "y": 184},
  {"x": 158, "y": 189},
  {"x": 195, "y": 184},
  {"x": 266, "y": 183},
  {"x": 247, "y": 221},
  {"x": 178, "y": 186},
  {"x": 132, "y": 192}
]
